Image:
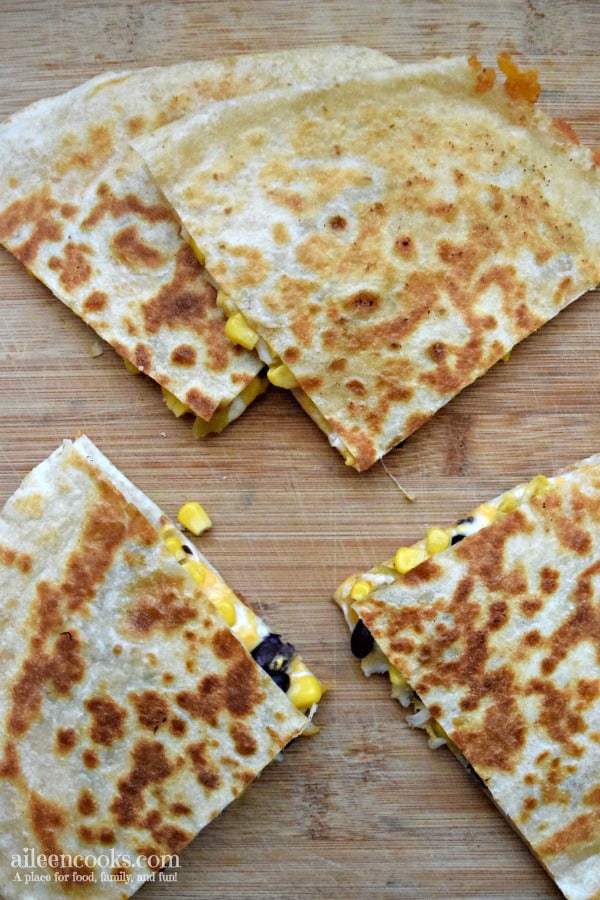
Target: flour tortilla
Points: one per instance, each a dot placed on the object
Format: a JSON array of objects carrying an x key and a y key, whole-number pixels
[
  {"x": 499, "y": 637},
  {"x": 79, "y": 210},
  {"x": 130, "y": 714},
  {"x": 390, "y": 237}
]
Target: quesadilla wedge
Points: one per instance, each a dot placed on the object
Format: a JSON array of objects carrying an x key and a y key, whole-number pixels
[
  {"x": 490, "y": 630},
  {"x": 79, "y": 210},
  {"x": 389, "y": 237},
  {"x": 138, "y": 695}
]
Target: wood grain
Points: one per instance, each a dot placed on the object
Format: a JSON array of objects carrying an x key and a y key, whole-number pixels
[{"x": 364, "y": 810}]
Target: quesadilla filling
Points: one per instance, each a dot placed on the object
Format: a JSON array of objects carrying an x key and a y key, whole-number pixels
[
  {"x": 358, "y": 588},
  {"x": 277, "y": 657},
  {"x": 239, "y": 331}
]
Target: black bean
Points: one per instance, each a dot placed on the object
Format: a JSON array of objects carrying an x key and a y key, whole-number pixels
[
  {"x": 361, "y": 642},
  {"x": 456, "y": 538},
  {"x": 273, "y": 654},
  {"x": 281, "y": 679}
]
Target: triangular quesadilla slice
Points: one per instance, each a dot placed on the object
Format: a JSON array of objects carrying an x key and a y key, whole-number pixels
[
  {"x": 490, "y": 629},
  {"x": 79, "y": 210},
  {"x": 138, "y": 695},
  {"x": 388, "y": 238}
]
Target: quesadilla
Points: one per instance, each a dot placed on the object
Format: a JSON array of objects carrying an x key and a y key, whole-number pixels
[
  {"x": 139, "y": 696},
  {"x": 389, "y": 237},
  {"x": 79, "y": 210},
  {"x": 490, "y": 629}
]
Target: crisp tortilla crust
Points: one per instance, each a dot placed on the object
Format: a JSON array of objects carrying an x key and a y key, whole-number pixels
[
  {"x": 500, "y": 637},
  {"x": 131, "y": 716},
  {"x": 390, "y": 237},
  {"x": 79, "y": 210}
]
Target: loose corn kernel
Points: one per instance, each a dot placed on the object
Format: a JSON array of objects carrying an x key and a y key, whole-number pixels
[
  {"x": 282, "y": 376},
  {"x": 360, "y": 590},
  {"x": 304, "y": 690},
  {"x": 239, "y": 332},
  {"x": 177, "y": 407},
  {"x": 175, "y": 547},
  {"x": 397, "y": 679},
  {"x": 437, "y": 540},
  {"x": 196, "y": 569},
  {"x": 194, "y": 517},
  {"x": 133, "y": 370},
  {"x": 508, "y": 503},
  {"x": 226, "y": 609},
  {"x": 408, "y": 558},
  {"x": 537, "y": 487}
]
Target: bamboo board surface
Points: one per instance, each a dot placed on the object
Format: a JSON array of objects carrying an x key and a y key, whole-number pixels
[{"x": 364, "y": 810}]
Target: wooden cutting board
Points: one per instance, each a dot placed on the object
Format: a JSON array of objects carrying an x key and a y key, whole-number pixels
[{"x": 363, "y": 810}]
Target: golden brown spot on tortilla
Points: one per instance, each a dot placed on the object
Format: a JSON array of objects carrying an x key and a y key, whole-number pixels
[
  {"x": 130, "y": 249},
  {"x": 237, "y": 692},
  {"x": 484, "y": 554},
  {"x": 66, "y": 738},
  {"x": 142, "y": 356},
  {"x": 588, "y": 690},
  {"x": 95, "y": 302},
  {"x": 185, "y": 355},
  {"x": 338, "y": 223},
  {"x": 531, "y": 606},
  {"x": 90, "y": 759},
  {"x": 280, "y": 233},
  {"x": 529, "y": 804},
  {"x": 549, "y": 579},
  {"x": 108, "y": 719},
  {"x": 86, "y": 803},
  {"x": 404, "y": 247},
  {"x": 256, "y": 269},
  {"x": 578, "y": 838},
  {"x": 68, "y": 210},
  {"x": 556, "y": 716},
  {"x": 177, "y": 727},
  {"x": 357, "y": 387},
  {"x": 74, "y": 268},
  {"x": 152, "y": 709},
  {"x": 291, "y": 355},
  {"x": 37, "y": 210},
  {"x": 111, "y": 205},
  {"x": 135, "y": 125},
  {"x": 363, "y": 303},
  {"x": 206, "y": 773},
  {"x": 520, "y": 84},
  {"x": 89, "y": 152},
  {"x": 47, "y": 821},
  {"x": 157, "y": 604},
  {"x": 9, "y": 763},
  {"x": 189, "y": 300},
  {"x": 338, "y": 365},
  {"x": 10, "y": 557},
  {"x": 200, "y": 403},
  {"x": 150, "y": 766},
  {"x": 244, "y": 742},
  {"x": 180, "y": 809}
]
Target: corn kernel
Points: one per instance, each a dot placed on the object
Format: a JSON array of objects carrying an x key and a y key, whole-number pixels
[
  {"x": 508, "y": 503},
  {"x": 253, "y": 390},
  {"x": 282, "y": 376},
  {"x": 177, "y": 407},
  {"x": 133, "y": 370},
  {"x": 196, "y": 569},
  {"x": 194, "y": 517},
  {"x": 196, "y": 250},
  {"x": 488, "y": 511},
  {"x": 360, "y": 590},
  {"x": 305, "y": 690},
  {"x": 397, "y": 679},
  {"x": 175, "y": 547},
  {"x": 224, "y": 303},
  {"x": 226, "y": 610},
  {"x": 408, "y": 558},
  {"x": 437, "y": 540},
  {"x": 537, "y": 487},
  {"x": 239, "y": 332},
  {"x": 248, "y": 636}
]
